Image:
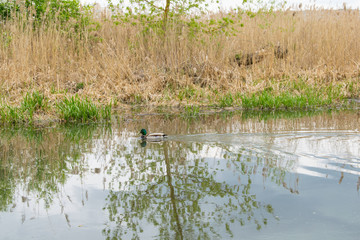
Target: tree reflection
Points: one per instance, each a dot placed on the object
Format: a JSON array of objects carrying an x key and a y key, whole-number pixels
[
  {"x": 179, "y": 199},
  {"x": 37, "y": 161},
  {"x": 184, "y": 188}
]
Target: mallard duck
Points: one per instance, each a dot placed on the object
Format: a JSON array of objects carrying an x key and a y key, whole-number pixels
[{"x": 152, "y": 136}]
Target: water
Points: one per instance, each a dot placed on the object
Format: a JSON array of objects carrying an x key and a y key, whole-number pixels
[{"x": 224, "y": 176}]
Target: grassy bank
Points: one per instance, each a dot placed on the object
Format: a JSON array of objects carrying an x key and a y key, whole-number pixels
[
  {"x": 265, "y": 60},
  {"x": 35, "y": 106}
]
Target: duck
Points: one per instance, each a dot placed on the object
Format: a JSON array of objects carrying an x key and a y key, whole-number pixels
[{"x": 152, "y": 136}]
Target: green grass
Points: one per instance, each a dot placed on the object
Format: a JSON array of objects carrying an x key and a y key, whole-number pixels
[
  {"x": 75, "y": 109},
  {"x": 105, "y": 111},
  {"x": 227, "y": 100},
  {"x": 296, "y": 94},
  {"x": 31, "y": 103},
  {"x": 79, "y": 86},
  {"x": 297, "y": 97},
  {"x": 34, "y": 101},
  {"x": 276, "y": 95},
  {"x": 12, "y": 115},
  {"x": 135, "y": 99},
  {"x": 191, "y": 111},
  {"x": 267, "y": 100},
  {"x": 187, "y": 93}
]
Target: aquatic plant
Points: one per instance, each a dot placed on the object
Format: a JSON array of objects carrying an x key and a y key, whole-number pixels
[
  {"x": 75, "y": 109},
  {"x": 191, "y": 111}
]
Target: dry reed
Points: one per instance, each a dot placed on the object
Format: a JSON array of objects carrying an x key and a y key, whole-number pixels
[{"x": 120, "y": 63}]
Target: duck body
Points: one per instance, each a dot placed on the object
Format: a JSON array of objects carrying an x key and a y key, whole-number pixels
[{"x": 152, "y": 136}]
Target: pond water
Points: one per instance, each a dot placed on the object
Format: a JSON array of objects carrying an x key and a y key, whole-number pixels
[{"x": 221, "y": 176}]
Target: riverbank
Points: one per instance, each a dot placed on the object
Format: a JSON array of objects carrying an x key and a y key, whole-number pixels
[
  {"x": 267, "y": 60},
  {"x": 36, "y": 109}
]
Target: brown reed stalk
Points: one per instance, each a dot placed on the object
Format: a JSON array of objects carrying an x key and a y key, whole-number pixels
[{"x": 120, "y": 62}]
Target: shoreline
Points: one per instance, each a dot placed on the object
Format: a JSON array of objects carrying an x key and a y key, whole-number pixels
[
  {"x": 47, "y": 115},
  {"x": 250, "y": 60}
]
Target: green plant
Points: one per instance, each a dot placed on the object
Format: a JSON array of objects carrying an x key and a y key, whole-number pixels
[
  {"x": 61, "y": 10},
  {"x": 138, "y": 99},
  {"x": 78, "y": 110},
  {"x": 79, "y": 86},
  {"x": 309, "y": 99},
  {"x": 191, "y": 111},
  {"x": 106, "y": 111},
  {"x": 40, "y": 10},
  {"x": 65, "y": 14},
  {"x": 158, "y": 15},
  {"x": 7, "y": 8},
  {"x": 187, "y": 93},
  {"x": 11, "y": 115},
  {"x": 227, "y": 100},
  {"x": 32, "y": 102},
  {"x": 5, "y": 38}
]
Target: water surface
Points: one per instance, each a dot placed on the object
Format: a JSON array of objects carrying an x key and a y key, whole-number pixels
[{"x": 223, "y": 176}]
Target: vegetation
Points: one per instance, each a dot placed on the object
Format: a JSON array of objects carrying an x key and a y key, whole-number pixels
[
  {"x": 72, "y": 109},
  {"x": 31, "y": 103},
  {"x": 23, "y": 158},
  {"x": 262, "y": 59},
  {"x": 75, "y": 109},
  {"x": 41, "y": 11},
  {"x": 191, "y": 111}
]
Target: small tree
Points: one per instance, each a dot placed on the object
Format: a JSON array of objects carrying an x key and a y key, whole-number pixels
[
  {"x": 157, "y": 14},
  {"x": 39, "y": 10}
]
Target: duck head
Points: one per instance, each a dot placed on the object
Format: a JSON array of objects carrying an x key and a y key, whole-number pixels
[{"x": 143, "y": 132}]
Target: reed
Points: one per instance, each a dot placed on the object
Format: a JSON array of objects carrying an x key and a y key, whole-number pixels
[{"x": 121, "y": 63}]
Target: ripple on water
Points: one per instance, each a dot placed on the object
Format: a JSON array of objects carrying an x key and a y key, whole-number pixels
[{"x": 320, "y": 153}]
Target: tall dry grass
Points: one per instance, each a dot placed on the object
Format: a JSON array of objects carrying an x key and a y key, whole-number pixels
[{"x": 120, "y": 62}]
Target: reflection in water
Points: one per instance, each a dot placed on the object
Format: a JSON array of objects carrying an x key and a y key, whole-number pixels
[
  {"x": 172, "y": 186},
  {"x": 211, "y": 176}
]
